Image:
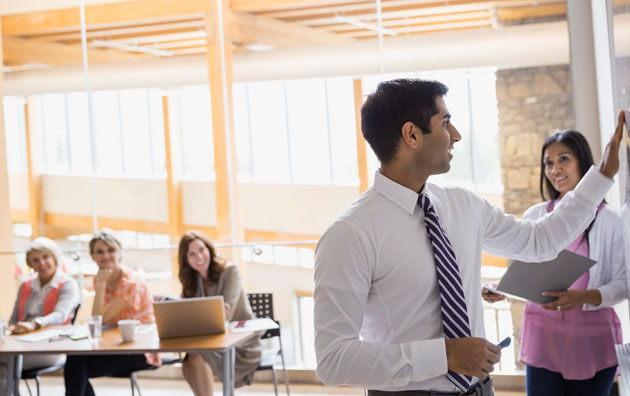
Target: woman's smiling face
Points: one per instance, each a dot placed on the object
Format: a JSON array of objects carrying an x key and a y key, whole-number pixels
[
  {"x": 105, "y": 256},
  {"x": 562, "y": 168},
  {"x": 198, "y": 257}
]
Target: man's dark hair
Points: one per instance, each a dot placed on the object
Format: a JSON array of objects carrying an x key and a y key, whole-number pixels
[{"x": 394, "y": 103}]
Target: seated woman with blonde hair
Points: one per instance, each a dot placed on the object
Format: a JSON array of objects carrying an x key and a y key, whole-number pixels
[
  {"x": 45, "y": 300},
  {"x": 119, "y": 294},
  {"x": 203, "y": 273}
]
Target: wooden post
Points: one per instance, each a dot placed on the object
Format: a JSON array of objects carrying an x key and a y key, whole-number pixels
[
  {"x": 361, "y": 154},
  {"x": 219, "y": 58},
  {"x": 8, "y": 288},
  {"x": 173, "y": 182},
  {"x": 34, "y": 178}
]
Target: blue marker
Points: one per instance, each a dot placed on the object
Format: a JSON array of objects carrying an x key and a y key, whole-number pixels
[{"x": 505, "y": 343}]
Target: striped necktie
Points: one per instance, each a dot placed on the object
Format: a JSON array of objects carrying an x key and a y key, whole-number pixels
[{"x": 454, "y": 315}]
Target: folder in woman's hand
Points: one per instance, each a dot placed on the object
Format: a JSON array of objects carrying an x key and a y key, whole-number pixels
[{"x": 530, "y": 280}]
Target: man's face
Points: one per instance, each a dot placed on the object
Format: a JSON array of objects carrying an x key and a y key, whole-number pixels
[{"x": 437, "y": 145}]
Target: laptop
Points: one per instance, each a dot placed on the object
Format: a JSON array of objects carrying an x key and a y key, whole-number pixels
[{"x": 190, "y": 317}]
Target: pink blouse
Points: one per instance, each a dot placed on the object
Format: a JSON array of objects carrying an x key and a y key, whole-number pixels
[{"x": 575, "y": 343}]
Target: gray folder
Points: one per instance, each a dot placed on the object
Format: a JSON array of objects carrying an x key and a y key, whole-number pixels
[{"x": 530, "y": 280}]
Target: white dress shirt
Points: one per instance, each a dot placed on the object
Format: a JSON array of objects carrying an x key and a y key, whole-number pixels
[{"x": 377, "y": 303}]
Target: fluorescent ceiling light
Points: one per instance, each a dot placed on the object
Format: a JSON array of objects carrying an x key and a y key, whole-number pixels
[
  {"x": 130, "y": 48},
  {"x": 365, "y": 25}
]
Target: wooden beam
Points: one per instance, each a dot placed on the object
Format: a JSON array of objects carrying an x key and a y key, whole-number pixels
[
  {"x": 304, "y": 293},
  {"x": 423, "y": 20},
  {"x": 270, "y": 236},
  {"x": 434, "y": 27},
  {"x": 33, "y": 150},
  {"x": 269, "y": 5},
  {"x": 361, "y": 146},
  {"x": 248, "y": 28},
  {"x": 7, "y": 279},
  {"x": 19, "y": 50},
  {"x": 393, "y": 9},
  {"x": 493, "y": 261},
  {"x": 369, "y": 7},
  {"x": 20, "y": 216},
  {"x": 84, "y": 223},
  {"x": 172, "y": 150},
  {"x": 219, "y": 62},
  {"x": 543, "y": 10},
  {"x": 100, "y": 15},
  {"x": 133, "y": 33}
]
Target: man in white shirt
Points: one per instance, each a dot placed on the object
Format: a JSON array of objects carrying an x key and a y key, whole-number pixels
[{"x": 378, "y": 319}]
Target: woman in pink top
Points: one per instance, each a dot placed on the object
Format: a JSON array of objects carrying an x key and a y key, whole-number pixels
[{"x": 568, "y": 344}]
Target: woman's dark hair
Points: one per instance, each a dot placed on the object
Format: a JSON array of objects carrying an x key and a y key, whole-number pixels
[
  {"x": 576, "y": 142},
  {"x": 188, "y": 276},
  {"x": 393, "y": 103}
]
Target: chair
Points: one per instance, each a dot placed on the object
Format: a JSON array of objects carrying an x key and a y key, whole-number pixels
[
  {"x": 131, "y": 374},
  {"x": 35, "y": 373},
  {"x": 262, "y": 306}
]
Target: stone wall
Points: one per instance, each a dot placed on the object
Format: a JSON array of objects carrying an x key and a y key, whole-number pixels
[{"x": 533, "y": 103}]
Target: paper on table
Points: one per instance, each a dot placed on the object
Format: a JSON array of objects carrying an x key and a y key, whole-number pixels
[
  {"x": 40, "y": 336},
  {"x": 530, "y": 280},
  {"x": 242, "y": 326}
]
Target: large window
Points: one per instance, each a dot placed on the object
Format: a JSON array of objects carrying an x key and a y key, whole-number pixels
[
  {"x": 299, "y": 131},
  {"x": 129, "y": 137},
  {"x": 14, "y": 128},
  {"x": 195, "y": 123}
]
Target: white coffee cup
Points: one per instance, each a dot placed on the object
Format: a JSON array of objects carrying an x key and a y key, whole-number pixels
[{"x": 127, "y": 328}]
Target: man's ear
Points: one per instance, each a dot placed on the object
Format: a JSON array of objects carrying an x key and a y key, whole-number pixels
[{"x": 411, "y": 135}]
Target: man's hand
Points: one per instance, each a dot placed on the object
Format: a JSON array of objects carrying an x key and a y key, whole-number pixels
[
  {"x": 609, "y": 165},
  {"x": 472, "y": 356}
]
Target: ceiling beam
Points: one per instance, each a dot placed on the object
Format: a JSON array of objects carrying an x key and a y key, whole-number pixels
[
  {"x": 543, "y": 10},
  {"x": 19, "y": 51},
  {"x": 122, "y": 32},
  {"x": 399, "y": 9},
  {"x": 248, "y": 29},
  {"x": 104, "y": 14},
  {"x": 270, "y": 5},
  {"x": 430, "y": 28},
  {"x": 396, "y": 22}
]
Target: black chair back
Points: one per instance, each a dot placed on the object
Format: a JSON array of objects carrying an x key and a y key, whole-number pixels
[
  {"x": 74, "y": 313},
  {"x": 262, "y": 306}
]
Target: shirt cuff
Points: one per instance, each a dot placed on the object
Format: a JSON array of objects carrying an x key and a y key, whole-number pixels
[
  {"x": 429, "y": 357},
  {"x": 593, "y": 186}
]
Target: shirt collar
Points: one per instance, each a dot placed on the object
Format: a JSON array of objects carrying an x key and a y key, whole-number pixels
[
  {"x": 54, "y": 282},
  {"x": 402, "y": 196}
]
